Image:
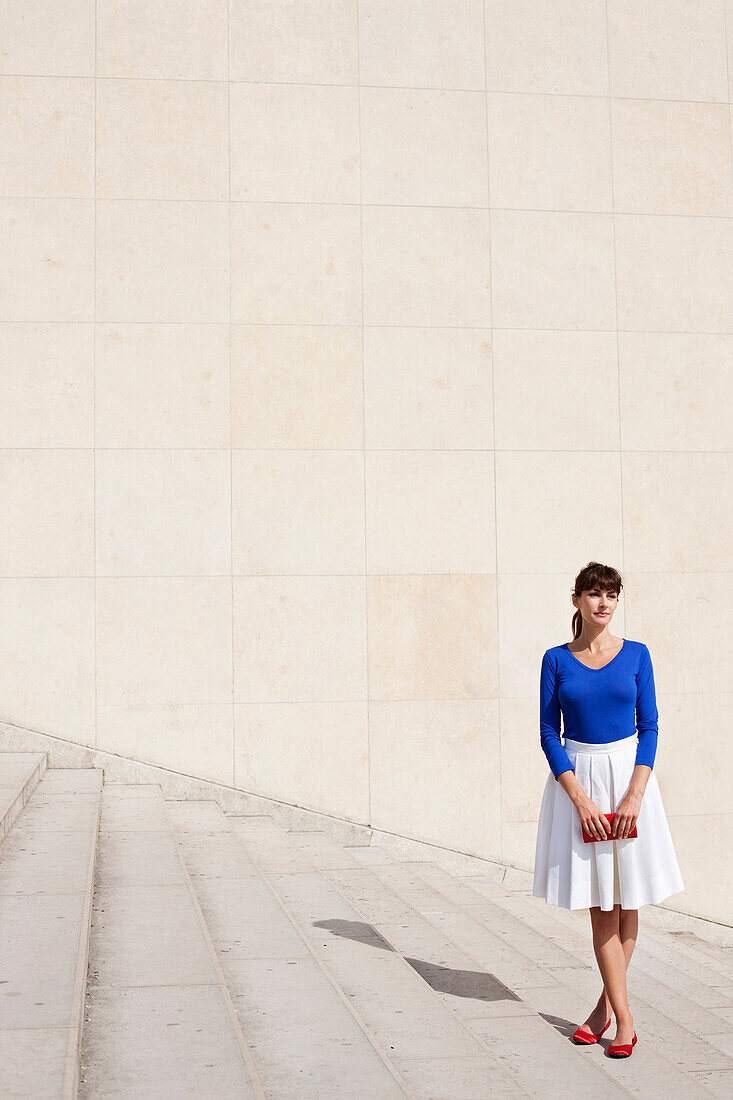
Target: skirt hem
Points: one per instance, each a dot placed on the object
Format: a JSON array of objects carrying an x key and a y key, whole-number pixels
[{"x": 577, "y": 908}]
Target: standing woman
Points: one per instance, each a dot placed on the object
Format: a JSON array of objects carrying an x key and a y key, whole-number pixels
[{"x": 604, "y": 688}]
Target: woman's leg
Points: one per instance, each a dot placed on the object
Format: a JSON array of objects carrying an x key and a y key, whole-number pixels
[
  {"x": 628, "y": 932},
  {"x": 614, "y": 939}
]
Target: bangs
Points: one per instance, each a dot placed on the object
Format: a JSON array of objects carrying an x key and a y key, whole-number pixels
[{"x": 603, "y": 577}]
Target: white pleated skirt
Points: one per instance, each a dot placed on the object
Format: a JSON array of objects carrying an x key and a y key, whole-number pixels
[{"x": 632, "y": 872}]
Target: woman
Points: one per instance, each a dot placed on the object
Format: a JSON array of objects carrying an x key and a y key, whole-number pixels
[{"x": 604, "y": 687}]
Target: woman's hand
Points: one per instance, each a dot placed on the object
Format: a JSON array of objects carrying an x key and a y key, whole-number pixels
[
  {"x": 626, "y": 815},
  {"x": 591, "y": 817}
]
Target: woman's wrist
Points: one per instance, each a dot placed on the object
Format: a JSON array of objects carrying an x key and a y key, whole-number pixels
[
  {"x": 639, "y": 779},
  {"x": 571, "y": 786}
]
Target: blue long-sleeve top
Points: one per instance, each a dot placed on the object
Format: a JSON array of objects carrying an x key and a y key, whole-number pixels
[{"x": 598, "y": 705}]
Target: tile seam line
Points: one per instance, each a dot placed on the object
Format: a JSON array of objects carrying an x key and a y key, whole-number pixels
[
  {"x": 612, "y": 182},
  {"x": 408, "y": 325},
  {"x": 380, "y": 87},
  {"x": 462, "y": 207},
  {"x": 495, "y": 491},
  {"x": 230, "y": 449},
  {"x": 364, "y": 449}
]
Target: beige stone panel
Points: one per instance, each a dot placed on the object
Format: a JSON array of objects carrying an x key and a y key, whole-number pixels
[
  {"x": 294, "y": 143},
  {"x": 162, "y": 39},
  {"x": 672, "y": 158},
  {"x": 47, "y": 655},
  {"x": 554, "y": 390},
  {"x": 432, "y": 637},
  {"x": 282, "y": 41},
  {"x": 426, "y": 266},
  {"x": 299, "y": 639},
  {"x": 549, "y": 152},
  {"x": 702, "y": 846},
  {"x": 677, "y": 512},
  {"x": 164, "y": 640},
  {"x": 162, "y": 385},
  {"x": 195, "y": 740},
  {"x": 47, "y": 137},
  {"x": 694, "y": 761},
  {"x": 47, "y": 259},
  {"x": 524, "y": 766},
  {"x": 162, "y": 139},
  {"x": 47, "y": 508},
  {"x": 671, "y": 49},
  {"x": 163, "y": 512},
  {"x": 557, "y": 510},
  {"x": 430, "y": 512},
  {"x": 298, "y": 512},
  {"x": 534, "y": 46},
  {"x": 48, "y": 38},
  {"x": 428, "y": 388},
  {"x": 434, "y": 776},
  {"x": 421, "y": 43},
  {"x": 686, "y": 622},
  {"x": 519, "y": 843},
  {"x": 297, "y": 386},
  {"x": 295, "y": 264},
  {"x": 422, "y": 146},
  {"x": 162, "y": 261},
  {"x": 674, "y": 274},
  {"x": 675, "y": 391},
  {"x": 308, "y": 754},
  {"x": 47, "y": 385},
  {"x": 536, "y": 613},
  {"x": 552, "y": 269}
]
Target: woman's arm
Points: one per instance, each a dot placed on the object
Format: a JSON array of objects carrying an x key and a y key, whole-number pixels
[
  {"x": 647, "y": 728},
  {"x": 552, "y": 746},
  {"x": 647, "y": 715}
]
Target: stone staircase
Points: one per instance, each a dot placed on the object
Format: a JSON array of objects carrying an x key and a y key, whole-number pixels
[{"x": 158, "y": 948}]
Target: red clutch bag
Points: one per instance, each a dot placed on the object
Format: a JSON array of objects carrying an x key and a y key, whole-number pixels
[{"x": 609, "y": 817}]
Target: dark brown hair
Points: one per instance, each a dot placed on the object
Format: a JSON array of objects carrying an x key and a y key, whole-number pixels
[{"x": 594, "y": 575}]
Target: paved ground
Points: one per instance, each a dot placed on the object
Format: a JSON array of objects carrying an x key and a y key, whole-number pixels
[{"x": 222, "y": 956}]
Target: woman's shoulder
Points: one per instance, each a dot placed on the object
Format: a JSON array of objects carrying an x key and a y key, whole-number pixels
[
  {"x": 554, "y": 653},
  {"x": 562, "y": 648}
]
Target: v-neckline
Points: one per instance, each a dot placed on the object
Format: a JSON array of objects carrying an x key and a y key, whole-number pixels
[{"x": 623, "y": 643}]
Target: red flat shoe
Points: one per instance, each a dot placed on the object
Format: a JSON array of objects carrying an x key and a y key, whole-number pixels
[
  {"x": 622, "y": 1050},
  {"x": 588, "y": 1037}
]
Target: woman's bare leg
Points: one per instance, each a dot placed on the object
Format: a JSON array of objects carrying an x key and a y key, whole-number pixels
[
  {"x": 611, "y": 932},
  {"x": 628, "y": 932}
]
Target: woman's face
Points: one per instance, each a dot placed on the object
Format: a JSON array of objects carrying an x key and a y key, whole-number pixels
[{"x": 597, "y": 605}]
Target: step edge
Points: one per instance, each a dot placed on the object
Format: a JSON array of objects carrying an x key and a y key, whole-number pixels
[
  {"x": 23, "y": 795},
  {"x": 72, "y": 1067}
]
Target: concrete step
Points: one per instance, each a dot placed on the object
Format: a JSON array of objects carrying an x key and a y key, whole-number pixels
[
  {"x": 520, "y": 922},
  {"x": 20, "y": 773},
  {"x": 305, "y": 1036},
  {"x": 452, "y": 1027},
  {"x": 46, "y": 878},
  {"x": 656, "y": 956},
  {"x": 226, "y": 956},
  {"x": 686, "y": 1045},
  {"x": 683, "y": 950},
  {"x": 159, "y": 1018}
]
